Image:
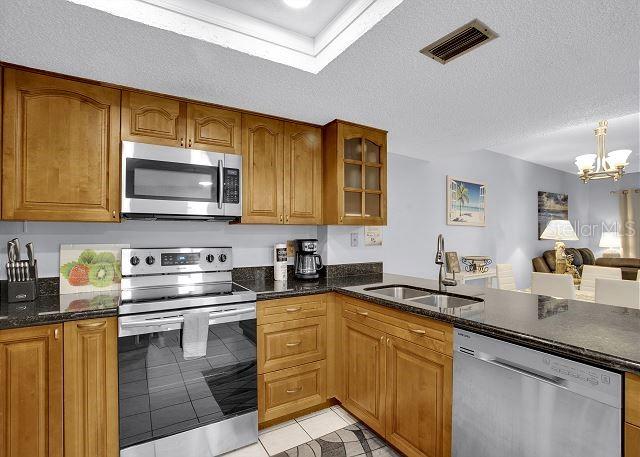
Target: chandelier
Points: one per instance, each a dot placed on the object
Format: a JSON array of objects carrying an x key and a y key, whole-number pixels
[{"x": 602, "y": 165}]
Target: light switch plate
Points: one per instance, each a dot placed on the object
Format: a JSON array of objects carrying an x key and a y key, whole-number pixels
[{"x": 354, "y": 239}]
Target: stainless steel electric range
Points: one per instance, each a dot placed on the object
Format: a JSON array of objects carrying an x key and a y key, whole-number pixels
[{"x": 170, "y": 406}]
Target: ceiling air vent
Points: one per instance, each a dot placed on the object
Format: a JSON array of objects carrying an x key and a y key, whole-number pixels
[{"x": 460, "y": 41}]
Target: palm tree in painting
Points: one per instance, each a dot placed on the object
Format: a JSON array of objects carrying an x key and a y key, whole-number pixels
[{"x": 462, "y": 195}]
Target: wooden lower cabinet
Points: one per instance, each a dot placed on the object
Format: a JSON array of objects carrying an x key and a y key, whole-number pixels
[
  {"x": 31, "y": 392},
  {"x": 631, "y": 440},
  {"x": 418, "y": 399},
  {"x": 400, "y": 388},
  {"x": 91, "y": 388},
  {"x": 364, "y": 368},
  {"x": 294, "y": 389}
]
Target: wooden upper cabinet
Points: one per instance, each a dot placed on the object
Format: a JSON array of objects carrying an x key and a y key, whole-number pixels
[
  {"x": 262, "y": 164},
  {"x": 153, "y": 119},
  {"x": 31, "y": 392},
  {"x": 91, "y": 388},
  {"x": 61, "y": 149},
  {"x": 302, "y": 174},
  {"x": 355, "y": 174},
  {"x": 418, "y": 409},
  {"x": 214, "y": 129},
  {"x": 364, "y": 371}
]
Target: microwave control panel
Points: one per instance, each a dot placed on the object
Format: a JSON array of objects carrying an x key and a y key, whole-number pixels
[{"x": 231, "y": 185}]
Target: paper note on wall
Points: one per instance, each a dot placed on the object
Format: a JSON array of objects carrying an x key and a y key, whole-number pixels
[{"x": 373, "y": 236}]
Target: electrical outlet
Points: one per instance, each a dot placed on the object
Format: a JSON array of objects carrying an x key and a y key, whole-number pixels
[
  {"x": 354, "y": 239},
  {"x": 291, "y": 248}
]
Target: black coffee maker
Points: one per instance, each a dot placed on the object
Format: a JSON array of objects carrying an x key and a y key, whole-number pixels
[{"x": 307, "y": 262}]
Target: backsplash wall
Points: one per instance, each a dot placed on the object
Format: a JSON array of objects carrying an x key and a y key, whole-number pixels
[{"x": 252, "y": 244}]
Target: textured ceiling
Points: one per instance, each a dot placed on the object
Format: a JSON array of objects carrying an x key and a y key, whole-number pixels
[
  {"x": 307, "y": 21},
  {"x": 559, "y": 148},
  {"x": 556, "y": 64}
]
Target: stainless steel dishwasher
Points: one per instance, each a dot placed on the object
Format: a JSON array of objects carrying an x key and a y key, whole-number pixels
[{"x": 511, "y": 401}]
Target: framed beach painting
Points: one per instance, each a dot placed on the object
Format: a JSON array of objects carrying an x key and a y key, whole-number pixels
[
  {"x": 466, "y": 202},
  {"x": 551, "y": 206}
]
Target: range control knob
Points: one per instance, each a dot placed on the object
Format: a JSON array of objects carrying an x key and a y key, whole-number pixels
[
  {"x": 210, "y": 258},
  {"x": 135, "y": 260},
  {"x": 222, "y": 258},
  {"x": 150, "y": 260}
]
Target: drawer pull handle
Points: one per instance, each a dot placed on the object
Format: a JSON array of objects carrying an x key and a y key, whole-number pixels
[
  {"x": 293, "y": 391},
  {"x": 294, "y": 343},
  {"x": 418, "y": 331},
  {"x": 294, "y": 310},
  {"x": 92, "y": 325},
  {"x": 363, "y": 313}
]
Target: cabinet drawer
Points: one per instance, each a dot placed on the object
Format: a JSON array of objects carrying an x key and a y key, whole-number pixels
[
  {"x": 286, "y": 309},
  {"x": 287, "y": 344},
  {"x": 632, "y": 399},
  {"x": 293, "y": 389},
  {"x": 426, "y": 332}
]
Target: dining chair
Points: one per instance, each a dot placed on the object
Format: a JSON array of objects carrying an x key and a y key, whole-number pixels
[
  {"x": 554, "y": 285},
  {"x": 591, "y": 272},
  {"x": 506, "y": 279},
  {"x": 618, "y": 292}
]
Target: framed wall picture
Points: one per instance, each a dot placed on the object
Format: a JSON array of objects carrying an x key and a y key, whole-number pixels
[
  {"x": 466, "y": 202},
  {"x": 551, "y": 206}
]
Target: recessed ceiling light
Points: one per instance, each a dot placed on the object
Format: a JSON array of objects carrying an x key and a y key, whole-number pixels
[{"x": 297, "y": 4}]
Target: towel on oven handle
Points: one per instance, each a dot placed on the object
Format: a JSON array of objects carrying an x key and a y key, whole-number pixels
[{"x": 195, "y": 331}]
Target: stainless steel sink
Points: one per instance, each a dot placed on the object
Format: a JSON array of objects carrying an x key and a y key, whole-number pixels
[
  {"x": 423, "y": 297},
  {"x": 401, "y": 292}
]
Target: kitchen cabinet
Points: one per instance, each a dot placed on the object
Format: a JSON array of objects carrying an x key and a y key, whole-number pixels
[
  {"x": 354, "y": 175},
  {"x": 31, "y": 392},
  {"x": 302, "y": 174},
  {"x": 282, "y": 172},
  {"x": 632, "y": 415},
  {"x": 169, "y": 121},
  {"x": 60, "y": 149},
  {"x": 418, "y": 399},
  {"x": 214, "y": 129},
  {"x": 398, "y": 376},
  {"x": 363, "y": 352},
  {"x": 292, "y": 356},
  {"x": 91, "y": 388}
]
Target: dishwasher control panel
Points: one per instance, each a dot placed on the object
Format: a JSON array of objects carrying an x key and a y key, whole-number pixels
[{"x": 598, "y": 383}]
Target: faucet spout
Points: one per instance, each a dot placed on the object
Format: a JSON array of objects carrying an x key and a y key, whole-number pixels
[{"x": 440, "y": 260}]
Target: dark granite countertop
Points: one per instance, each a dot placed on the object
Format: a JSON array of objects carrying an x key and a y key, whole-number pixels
[
  {"x": 604, "y": 335},
  {"x": 53, "y": 308}
]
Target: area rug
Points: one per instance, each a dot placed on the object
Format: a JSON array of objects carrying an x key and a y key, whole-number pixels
[{"x": 351, "y": 441}]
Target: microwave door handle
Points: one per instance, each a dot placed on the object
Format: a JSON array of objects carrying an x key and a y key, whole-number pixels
[{"x": 220, "y": 183}]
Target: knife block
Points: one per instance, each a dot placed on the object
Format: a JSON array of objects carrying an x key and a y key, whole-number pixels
[{"x": 18, "y": 291}]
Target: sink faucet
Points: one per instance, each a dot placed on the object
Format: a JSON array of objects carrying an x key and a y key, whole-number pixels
[{"x": 440, "y": 260}]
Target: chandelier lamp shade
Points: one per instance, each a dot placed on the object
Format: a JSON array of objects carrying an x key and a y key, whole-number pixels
[{"x": 602, "y": 165}]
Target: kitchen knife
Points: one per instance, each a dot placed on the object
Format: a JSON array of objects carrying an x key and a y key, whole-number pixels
[
  {"x": 31, "y": 254},
  {"x": 16, "y": 248}
]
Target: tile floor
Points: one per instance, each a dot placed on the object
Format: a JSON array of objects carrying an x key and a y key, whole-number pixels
[{"x": 331, "y": 432}]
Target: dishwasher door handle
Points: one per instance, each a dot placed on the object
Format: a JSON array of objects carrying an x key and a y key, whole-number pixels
[{"x": 555, "y": 381}]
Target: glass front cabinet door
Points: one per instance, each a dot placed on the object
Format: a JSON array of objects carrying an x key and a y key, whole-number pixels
[{"x": 356, "y": 165}]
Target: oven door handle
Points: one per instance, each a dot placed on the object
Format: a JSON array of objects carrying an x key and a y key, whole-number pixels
[
  {"x": 159, "y": 322},
  {"x": 220, "y": 183}
]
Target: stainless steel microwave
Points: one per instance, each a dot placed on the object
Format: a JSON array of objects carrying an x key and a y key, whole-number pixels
[{"x": 164, "y": 182}]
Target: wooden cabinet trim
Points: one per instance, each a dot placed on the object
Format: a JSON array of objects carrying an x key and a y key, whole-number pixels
[
  {"x": 153, "y": 119},
  {"x": 227, "y": 137}
]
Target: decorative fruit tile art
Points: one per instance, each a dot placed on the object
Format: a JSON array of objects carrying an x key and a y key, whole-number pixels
[{"x": 90, "y": 267}]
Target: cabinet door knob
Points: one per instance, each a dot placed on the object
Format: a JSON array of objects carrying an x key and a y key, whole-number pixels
[
  {"x": 287, "y": 218},
  {"x": 293, "y": 344},
  {"x": 56, "y": 333},
  {"x": 363, "y": 313},
  {"x": 281, "y": 218},
  {"x": 294, "y": 310},
  {"x": 341, "y": 219},
  {"x": 181, "y": 141},
  {"x": 293, "y": 391},
  {"x": 189, "y": 142},
  {"x": 113, "y": 213},
  {"x": 418, "y": 331}
]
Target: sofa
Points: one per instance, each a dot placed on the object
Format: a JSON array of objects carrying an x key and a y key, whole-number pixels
[{"x": 546, "y": 263}]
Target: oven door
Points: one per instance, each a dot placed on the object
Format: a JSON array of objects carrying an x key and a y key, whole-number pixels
[
  {"x": 184, "y": 402},
  {"x": 163, "y": 180}
]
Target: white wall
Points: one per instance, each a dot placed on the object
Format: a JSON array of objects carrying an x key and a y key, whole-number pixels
[{"x": 252, "y": 244}]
